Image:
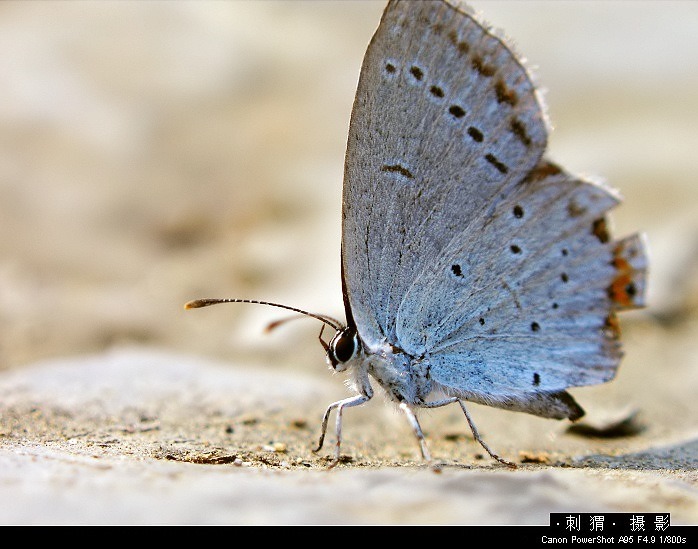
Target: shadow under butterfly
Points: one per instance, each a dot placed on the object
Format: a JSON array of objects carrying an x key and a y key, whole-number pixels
[{"x": 473, "y": 268}]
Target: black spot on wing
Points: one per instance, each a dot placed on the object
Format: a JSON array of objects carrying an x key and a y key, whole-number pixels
[
  {"x": 417, "y": 73},
  {"x": 505, "y": 94},
  {"x": 483, "y": 68},
  {"x": 456, "y": 111},
  {"x": 475, "y": 134},
  {"x": 397, "y": 168},
  {"x": 436, "y": 91},
  {"x": 519, "y": 130},
  {"x": 600, "y": 230},
  {"x": 492, "y": 159}
]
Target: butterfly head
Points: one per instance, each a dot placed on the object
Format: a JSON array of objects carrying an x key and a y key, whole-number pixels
[{"x": 342, "y": 348}]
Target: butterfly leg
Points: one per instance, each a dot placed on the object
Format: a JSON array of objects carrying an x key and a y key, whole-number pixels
[
  {"x": 482, "y": 442},
  {"x": 476, "y": 435},
  {"x": 412, "y": 418},
  {"x": 339, "y": 405}
]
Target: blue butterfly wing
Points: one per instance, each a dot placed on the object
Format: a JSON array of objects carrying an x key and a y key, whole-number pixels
[
  {"x": 461, "y": 246},
  {"x": 532, "y": 311},
  {"x": 444, "y": 120}
]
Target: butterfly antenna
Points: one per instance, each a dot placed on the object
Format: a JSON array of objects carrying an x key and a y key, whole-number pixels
[
  {"x": 332, "y": 322},
  {"x": 276, "y": 323}
]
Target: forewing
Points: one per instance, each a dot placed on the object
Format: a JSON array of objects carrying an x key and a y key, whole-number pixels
[{"x": 445, "y": 120}]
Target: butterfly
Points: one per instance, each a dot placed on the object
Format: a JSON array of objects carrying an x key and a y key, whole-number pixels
[{"x": 473, "y": 268}]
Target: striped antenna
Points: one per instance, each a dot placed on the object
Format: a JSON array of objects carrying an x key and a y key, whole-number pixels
[{"x": 198, "y": 303}]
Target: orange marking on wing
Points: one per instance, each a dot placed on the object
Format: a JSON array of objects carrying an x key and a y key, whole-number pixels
[{"x": 622, "y": 289}]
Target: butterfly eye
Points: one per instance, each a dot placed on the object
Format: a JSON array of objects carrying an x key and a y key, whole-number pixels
[{"x": 343, "y": 347}]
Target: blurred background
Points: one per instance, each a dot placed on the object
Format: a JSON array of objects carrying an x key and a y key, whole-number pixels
[{"x": 156, "y": 152}]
